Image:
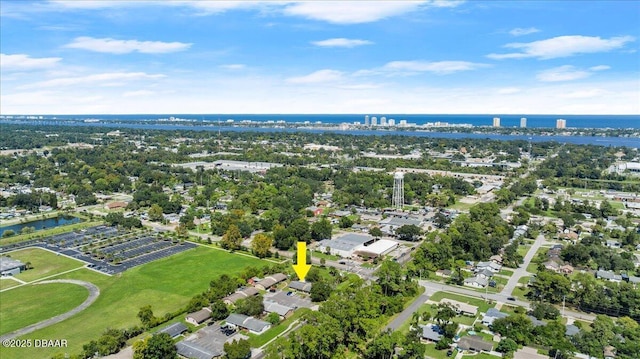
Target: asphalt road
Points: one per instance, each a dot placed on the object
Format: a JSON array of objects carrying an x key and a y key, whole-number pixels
[
  {"x": 522, "y": 270},
  {"x": 433, "y": 287},
  {"x": 407, "y": 313},
  {"x": 94, "y": 292}
]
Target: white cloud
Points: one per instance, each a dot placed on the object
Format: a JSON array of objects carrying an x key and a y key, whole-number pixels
[
  {"x": 586, "y": 93},
  {"x": 438, "y": 67},
  {"x": 92, "y": 4},
  {"x": 320, "y": 76},
  {"x": 508, "y": 90},
  {"x": 21, "y": 62},
  {"x": 341, "y": 42},
  {"x": 103, "y": 79},
  {"x": 114, "y": 46},
  {"x": 599, "y": 68},
  {"x": 233, "y": 66},
  {"x": 138, "y": 93},
  {"x": 562, "y": 73},
  {"x": 351, "y": 12},
  {"x": 520, "y": 31},
  {"x": 563, "y": 46}
]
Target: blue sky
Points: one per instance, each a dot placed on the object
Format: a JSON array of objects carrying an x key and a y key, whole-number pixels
[{"x": 489, "y": 57}]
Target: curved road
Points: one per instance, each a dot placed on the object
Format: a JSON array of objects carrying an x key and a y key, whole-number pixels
[{"x": 94, "y": 292}]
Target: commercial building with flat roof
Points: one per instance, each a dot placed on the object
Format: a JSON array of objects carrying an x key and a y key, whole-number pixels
[
  {"x": 10, "y": 266},
  {"x": 344, "y": 246},
  {"x": 377, "y": 249}
]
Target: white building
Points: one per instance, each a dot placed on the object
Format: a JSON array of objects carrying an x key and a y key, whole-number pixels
[
  {"x": 523, "y": 122},
  {"x": 560, "y": 123},
  {"x": 496, "y": 122},
  {"x": 346, "y": 245},
  {"x": 377, "y": 249}
]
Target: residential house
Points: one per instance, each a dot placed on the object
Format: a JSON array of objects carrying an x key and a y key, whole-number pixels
[
  {"x": 552, "y": 265},
  {"x": 282, "y": 310},
  {"x": 300, "y": 286},
  {"x": 608, "y": 275},
  {"x": 251, "y": 324},
  {"x": 431, "y": 333},
  {"x": 494, "y": 267},
  {"x": 174, "y": 330},
  {"x": 566, "y": 269},
  {"x": 198, "y": 317},
  {"x": 476, "y": 282},
  {"x": 496, "y": 259},
  {"x": 612, "y": 243},
  {"x": 241, "y": 294},
  {"x": 315, "y": 210},
  {"x": 271, "y": 280},
  {"x": 484, "y": 273},
  {"x": 445, "y": 273},
  {"x": 475, "y": 343},
  {"x": 461, "y": 308},
  {"x": 188, "y": 349},
  {"x": 571, "y": 330},
  {"x": 535, "y": 321},
  {"x": 491, "y": 315}
]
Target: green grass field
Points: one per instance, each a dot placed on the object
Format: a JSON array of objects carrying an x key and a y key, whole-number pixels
[
  {"x": 167, "y": 285},
  {"x": 257, "y": 341},
  {"x": 32, "y": 303},
  {"x": 330, "y": 257},
  {"x": 432, "y": 352},
  {"x": 6, "y": 283},
  {"x": 44, "y": 263}
]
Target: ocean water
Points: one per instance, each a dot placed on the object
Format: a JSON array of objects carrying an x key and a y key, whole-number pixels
[{"x": 535, "y": 121}]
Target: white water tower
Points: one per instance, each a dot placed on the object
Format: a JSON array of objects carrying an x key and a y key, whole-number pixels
[{"x": 398, "y": 190}]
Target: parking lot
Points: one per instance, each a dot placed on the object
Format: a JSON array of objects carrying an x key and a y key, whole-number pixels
[{"x": 105, "y": 256}]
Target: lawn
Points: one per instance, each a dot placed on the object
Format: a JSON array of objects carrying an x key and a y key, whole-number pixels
[
  {"x": 506, "y": 272},
  {"x": 329, "y": 257},
  {"x": 33, "y": 303},
  {"x": 44, "y": 263},
  {"x": 432, "y": 352},
  {"x": 257, "y": 341},
  {"x": 167, "y": 285},
  {"x": 8, "y": 282}
]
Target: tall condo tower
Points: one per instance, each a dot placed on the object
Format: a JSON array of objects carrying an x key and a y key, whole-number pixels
[
  {"x": 523, "y": 122},
  {"x": 560, "y": 123},
  {"x": 398, "y": 190},
  {"x": 366, "y": 120},
  {"x": 496, "y": 122},
  {"x": 374, "y": 121}
]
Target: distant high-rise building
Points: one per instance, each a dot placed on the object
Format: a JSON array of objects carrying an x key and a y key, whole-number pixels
[
  {"x": 398, "y": 190},
  {"x": 560, "y": 123},
  {"x": 366, "y": 120},
  {"x": 374, "y": 121},
  {"x": 383, "y": 121},
  {"x": 496, "y": 122},
  {"x": 523, "y": 122},
  {"x": 392, "y": 122},
  {"x": 403, "y": 123}
]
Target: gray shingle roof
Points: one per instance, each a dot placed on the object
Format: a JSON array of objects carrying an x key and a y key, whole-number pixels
[
  {"x": 243, "y": 321},
  {"x": 193, "y": 350},
  {"x": 174, "y": 329},
  {"x": 474, "y": 342},
  {"x": 301, "y": 286}
]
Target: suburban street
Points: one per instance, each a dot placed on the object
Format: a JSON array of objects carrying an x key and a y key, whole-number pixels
[{"x": 522, "y": 270}]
